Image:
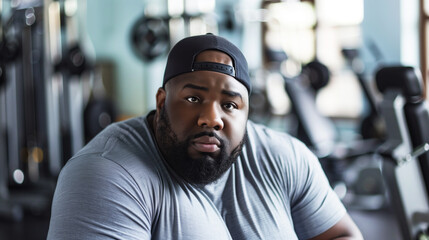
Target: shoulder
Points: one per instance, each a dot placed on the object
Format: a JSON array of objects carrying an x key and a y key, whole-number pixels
[
  {"x": 278, "y": 153},
  {"x": 282, "y": 154},
  {"x": 125, "y": 143},
  {"x": 125, "y": 152},
  {"x": 119, "y": 173}
]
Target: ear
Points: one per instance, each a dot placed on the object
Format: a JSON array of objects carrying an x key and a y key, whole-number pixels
[{"x": 160, "y": 99}]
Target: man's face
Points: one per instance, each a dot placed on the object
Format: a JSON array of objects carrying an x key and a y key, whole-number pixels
[{"x": 201, "y": 121}]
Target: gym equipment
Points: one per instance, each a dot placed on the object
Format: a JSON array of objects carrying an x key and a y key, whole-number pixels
[
  {"x": 43, "y": 70},
  {"x": 371, "y": 126},
  {"x": 150, "y": 37},
  {"x": 74, "y": 61},
  {"x": 264, "y": 104},
  {"x": 314, "y": 129},
  {"x": 229, "y": 22},
  {"x": 98, "y": 114},
  {"x": 405, "y": 152},
  {"x": 54, "y": 82},
  {"x": 25, "y": 97},
  {"x": 23, "y": 140},
  {"x": 69, "y": 72},
  {"x": 153, "y": 34},
  {"x": 320, "y": 134},
  {"x": 100, "y": 111},
  {"x": 408, "y": 82},
  {"x": 9, "y": 50},
  {"x": 317, "y": 73}
]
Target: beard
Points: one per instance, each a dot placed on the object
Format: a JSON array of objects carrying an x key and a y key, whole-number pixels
[{"x": 202, "y": 170}]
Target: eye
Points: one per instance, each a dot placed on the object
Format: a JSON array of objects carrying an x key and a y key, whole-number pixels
[
  {"x": 230, "y": 106},
  {"x": 192, "y": 99}
]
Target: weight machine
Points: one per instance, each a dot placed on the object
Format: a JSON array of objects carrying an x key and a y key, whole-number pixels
[
  {"x": 405, "y": 157},
  {"x": 43, "y": 72},
  {"x": 23, "y": 113},
  {"x": 403, "y": 153}
]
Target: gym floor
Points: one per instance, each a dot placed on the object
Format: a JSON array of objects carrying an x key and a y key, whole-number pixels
[{"x": 377, "y": 225}]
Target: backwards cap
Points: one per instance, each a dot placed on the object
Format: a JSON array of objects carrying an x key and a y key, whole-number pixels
[{"x": 181, "y": 58}]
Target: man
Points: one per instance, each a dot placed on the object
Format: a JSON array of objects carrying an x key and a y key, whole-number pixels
[{"x": 196, "y": 168}]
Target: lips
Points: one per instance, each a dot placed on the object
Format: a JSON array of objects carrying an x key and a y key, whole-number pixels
[{"x": 206, "y": 144}]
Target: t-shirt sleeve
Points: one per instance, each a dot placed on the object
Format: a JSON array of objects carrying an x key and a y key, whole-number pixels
[
  {"x": 96, "y": 198},
  {"x": 315, "y": 206}
]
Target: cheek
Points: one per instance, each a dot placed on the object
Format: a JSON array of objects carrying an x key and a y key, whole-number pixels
[
  {"x": 236, "y": 130},
  {"x": 181, "y": 119}
]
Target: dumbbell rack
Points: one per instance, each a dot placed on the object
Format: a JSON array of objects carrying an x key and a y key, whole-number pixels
[{"x": 41, "y": 103}]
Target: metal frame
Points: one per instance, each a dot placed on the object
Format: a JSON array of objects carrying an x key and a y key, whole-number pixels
[{"x": 407, "y": 190}]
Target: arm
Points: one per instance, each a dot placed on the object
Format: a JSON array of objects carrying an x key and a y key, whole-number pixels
[
  {"x": 317, "y": 211},
  {"x": 345, "y": 229}
]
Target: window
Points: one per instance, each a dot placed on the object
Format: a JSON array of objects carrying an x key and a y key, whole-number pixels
[{"x": 321, "y": 29}]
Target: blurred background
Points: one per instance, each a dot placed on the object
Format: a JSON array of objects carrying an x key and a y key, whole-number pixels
[{"x": 69, "y": 68}]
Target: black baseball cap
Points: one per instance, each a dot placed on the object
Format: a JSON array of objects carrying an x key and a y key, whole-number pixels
[{"x": 181, "y": 58}]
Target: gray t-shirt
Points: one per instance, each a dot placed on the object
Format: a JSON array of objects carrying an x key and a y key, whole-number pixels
[{"x": 119, "y": 187}]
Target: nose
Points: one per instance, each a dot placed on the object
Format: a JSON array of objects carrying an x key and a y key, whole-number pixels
[{"x": 210, "y": 116}]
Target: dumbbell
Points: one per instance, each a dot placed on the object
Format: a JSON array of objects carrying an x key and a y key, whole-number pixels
[
  {"x": 73, "y": 62},
  {"x": 150, "y": 38},
  {"x": 318, "y": 74}
]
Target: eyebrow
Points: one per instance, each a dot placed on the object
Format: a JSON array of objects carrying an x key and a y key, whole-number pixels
[
  {"x": 232, "y": 93},
  {"x": 226, "y": 92},
  {"x": 189, "y": 85}
]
